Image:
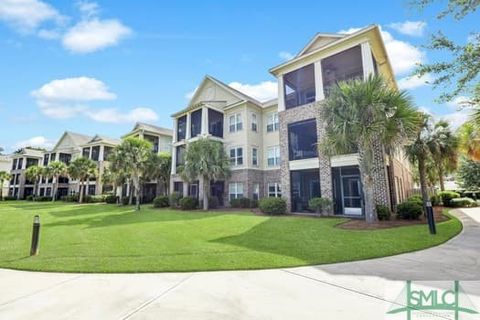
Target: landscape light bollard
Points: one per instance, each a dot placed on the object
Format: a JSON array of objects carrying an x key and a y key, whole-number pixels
[
  {"x": 35, "y": 236},
  {"x": 431, "y": 219}
]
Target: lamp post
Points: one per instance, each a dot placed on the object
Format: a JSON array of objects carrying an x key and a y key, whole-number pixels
[
  {"x": 430, "y": 218},
  {"x": 35, "y": 236}
]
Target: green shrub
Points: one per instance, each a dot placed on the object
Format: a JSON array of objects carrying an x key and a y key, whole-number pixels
[
  {"x": 30, "y": 197},
  {"x": 462, "y": 202},
  {"x": 435, "y": 200},
  {"x": 161, "y": 202},
  {"x": 409, "y": 210},
  {"x": 415, "y": 198},
  {"x": 111, "y": 199},
  {"x": 383, "y": 212},
  {"x": 188, "y": 203},
  {"x": 43, "y": 199},
  {"x": 70, "y": 198},
  {"x": 320, "y": 205},
  {"x": 9, "y": 198},
  {"x": 213, "y": 202},
  {"x": 447, "y": 196},
  {"x": 273, "y": 205},
  {"x": 241, "y": 203},
  {"x": 94, "y": 199},
  {"x": 125, "y": 201},
  {"x": 175, "y": 198}
]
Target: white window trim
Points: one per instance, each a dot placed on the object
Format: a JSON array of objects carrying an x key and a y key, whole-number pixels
[
  {"x": 236, "y": 157},
  {"x": 257, "y": 158},
  {"x": 276, "y": 159},
  {"x": 235, "y": 192},
  {"x": 278, "y": 190},
  {"x": 254, "y": 121},
  {"x": 272, "y": 119},
  {"x": 237, "y": 122},
  {"x": 256, "y": 191}
]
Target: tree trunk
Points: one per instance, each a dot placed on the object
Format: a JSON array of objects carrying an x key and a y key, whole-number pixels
[
  {"x": 367, "y": 186},
  {"x": 423, "y": 183},
  {"x": 80, "y": 190},
  {"x": 130, "y": 193},
  {"x": 206, "y": 187},
  {"x": 440, "y": 176},
  {"x": 1, "y": 190},
  {"x": 136, "y": 185},
  {"x": 55, "y": 188}
]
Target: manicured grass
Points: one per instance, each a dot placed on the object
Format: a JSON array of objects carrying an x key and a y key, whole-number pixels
[{"x": 107, "y": 238}]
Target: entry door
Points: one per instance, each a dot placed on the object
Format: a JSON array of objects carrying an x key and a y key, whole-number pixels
[{"x": 352, "y": 195}]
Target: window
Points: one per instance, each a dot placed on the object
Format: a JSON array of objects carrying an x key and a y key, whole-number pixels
[
  {"x": 95, "y": 153},
  {"x": 86, "y": 153},
  {"x": 91, "y": 189},
  {"x": 180, "y": 155},
  {"x": 256, "y": 191},
  {"x": 42, "y": 192},
  {"x": 235, "y": 190},
  {"x": 215, "y": 123},
  {"x": 272, "y": 122},
  {"x": 107, "y": 151},
  {"x": 64, "y": 157},
  {"x": 254, "y": 157},
  {"x": 48, "y": 192},
  {"x": 302, "y": 140},
  {"x": 14, "y": 164},
  {"x": 31, "y": 162},
  {"x": 235, "y": 122},
  {"x": 193, "y": 189},
  {"x": 45, "y": 160},
  {"x": 52, "y": 157},
  {"x": 20, "y": 164},
  {"x": 342, "y": 66},
  {"x": 273, "y": 156},
  {"x": 178, "y": 187},
  {"x": 274, "y": 190},
  {"x": 196, "y": 123},
  {"x": 236, "y": 156},
  {"x": 254, "y": 122},
  {"x": 181, "y": 128},
  {"x": 299, "y": 87}
]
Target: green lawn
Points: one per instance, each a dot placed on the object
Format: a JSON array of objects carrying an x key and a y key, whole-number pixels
[{"x": 107, "y": 238}]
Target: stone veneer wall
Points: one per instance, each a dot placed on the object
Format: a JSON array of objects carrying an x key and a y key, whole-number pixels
[{"x": 309, "y": 111}]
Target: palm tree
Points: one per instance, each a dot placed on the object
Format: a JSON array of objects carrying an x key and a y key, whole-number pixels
[
  {"x": 419, "y": 153},
  {"x": 207, "y": 159},
  {"x": 134, "y": 153},
  {"x": 34, "y": 173},
  {"x": 116, "y": 178},
  {"x": 469, "y": 139},
  {"x": 117, "y": 172},
  {"x": 3, "y": 176},
  {"x": 82, "y": 169},
  {"x": 443, "y": 147},
  {"x": 159, "y": 168},
  {"x": 369, "y": 117},
  {"x": 55, "y": 170}
]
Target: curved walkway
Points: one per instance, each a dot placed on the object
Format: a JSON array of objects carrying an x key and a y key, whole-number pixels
[{"x": 356, "y": 290}]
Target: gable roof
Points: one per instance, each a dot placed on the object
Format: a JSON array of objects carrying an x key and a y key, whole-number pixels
[
  {"x": 149, "y": 127},
  {"x": 77, "y": 138},
  {"x": 107, "y": 140},
  {"x": 318, "y": 41}
]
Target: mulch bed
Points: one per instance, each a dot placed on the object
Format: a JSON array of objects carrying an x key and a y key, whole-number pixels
[{"x": 357, "y": 224}]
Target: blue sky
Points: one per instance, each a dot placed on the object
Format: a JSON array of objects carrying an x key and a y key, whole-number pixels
[{"x": 96, "y": 67}]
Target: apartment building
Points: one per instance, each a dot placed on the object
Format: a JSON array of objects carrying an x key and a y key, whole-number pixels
[
  {"x": 273, "y": 145},
  {"x": 19, "y": 185},
  {"x": 5, "y": 165}
]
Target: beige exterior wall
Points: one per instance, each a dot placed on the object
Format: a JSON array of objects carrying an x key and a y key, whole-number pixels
[{"x": 5, "y": 165}]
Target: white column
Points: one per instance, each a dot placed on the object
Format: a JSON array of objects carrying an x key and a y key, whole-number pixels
[
  {"x": 367, "y": 61},
  {"x": 174, "y": 160},
  {"x": 281, "y": 95},
  {"x": 175, "y": 130},
  {"x": 204, "y": 130},
  {"x": 319, "y": 95},
  {"x": 101, "y": 153},
  {"x": 188, "y": 133}
]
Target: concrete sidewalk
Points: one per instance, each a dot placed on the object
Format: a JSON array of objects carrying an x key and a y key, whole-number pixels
[{"x": 357, "y": 290}]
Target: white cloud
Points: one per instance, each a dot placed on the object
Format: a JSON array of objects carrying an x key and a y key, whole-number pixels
[
  {"x": 112, "y": 115},
  {"x": 403, "y": 55},
  {"x": 409, "y": 28},
  {"x": 413, "y": 82},
  {"x": 455, "y": 118},
  {"x": 88, "y": 9},
  {"x": 70, "y": 97},
  {"x": 458, "y": 103},
  {"x": 263, "y": 91},
  {"x": 38, "y": 141},
  {"x": 27, "y": 15},
  {"x": 49, "y": 34},
  {"x": 92, "y": 35},
  {"x": 284, "y": 55},
  {"x": 74, "y": 89}
]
